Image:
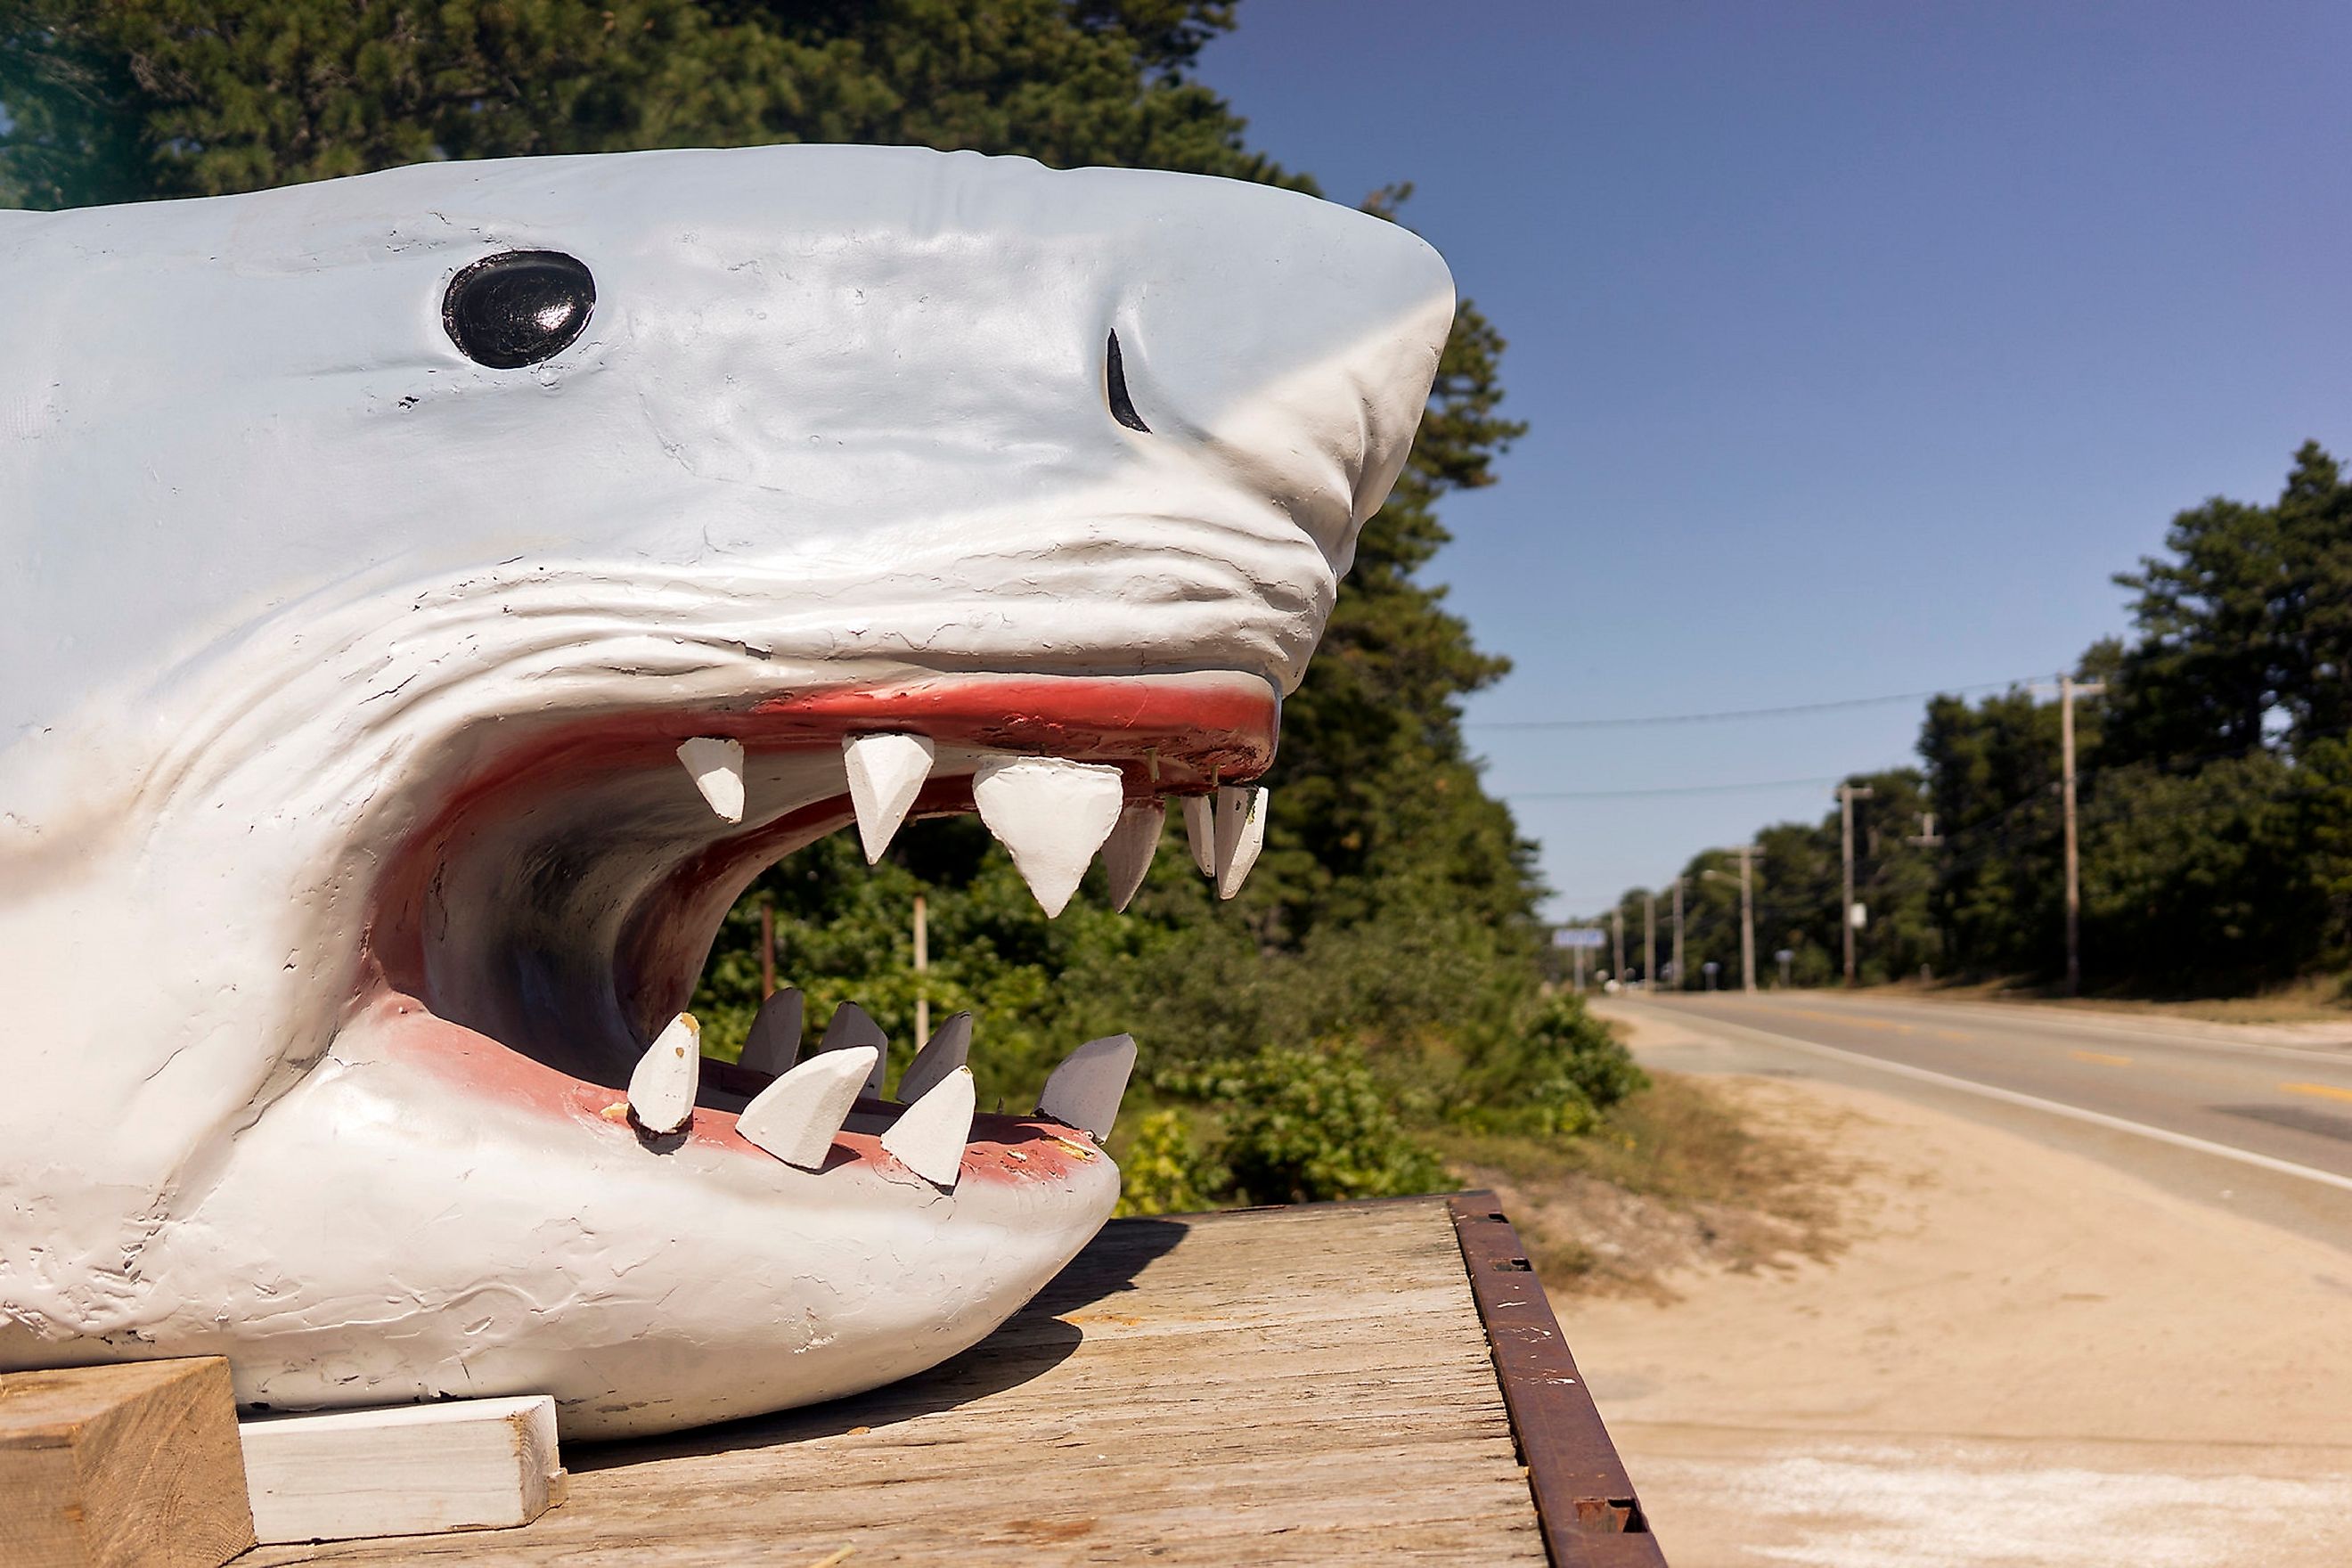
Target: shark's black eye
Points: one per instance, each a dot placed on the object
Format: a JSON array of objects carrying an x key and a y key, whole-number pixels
[
  {"x": 1122, "y": 406},
  {"x": 518, "y": 308}
]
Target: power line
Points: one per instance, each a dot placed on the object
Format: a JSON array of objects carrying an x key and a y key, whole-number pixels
[
  {"x": 1742, "y": 712},
  {"x": 1516, "y": 794}
]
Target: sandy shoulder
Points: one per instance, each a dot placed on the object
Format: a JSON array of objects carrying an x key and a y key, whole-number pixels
[{"x": 2082, "y": 1367}]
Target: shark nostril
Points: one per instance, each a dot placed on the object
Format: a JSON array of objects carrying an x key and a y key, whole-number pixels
[{"x": 1122, "y": 406}]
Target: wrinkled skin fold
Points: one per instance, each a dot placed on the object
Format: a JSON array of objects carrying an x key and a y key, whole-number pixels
[{"x": 346, "y": 865}]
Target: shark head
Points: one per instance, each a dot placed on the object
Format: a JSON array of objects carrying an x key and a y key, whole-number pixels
[{"x": 377, "y": 551}]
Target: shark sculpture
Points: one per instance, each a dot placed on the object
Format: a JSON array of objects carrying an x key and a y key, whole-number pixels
[{"x": 431, "y": 598}]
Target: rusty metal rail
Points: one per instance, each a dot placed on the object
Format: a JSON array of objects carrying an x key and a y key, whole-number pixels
[{"x": 1590, "y": 1514}]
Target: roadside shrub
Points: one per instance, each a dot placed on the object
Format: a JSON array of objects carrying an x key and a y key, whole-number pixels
[
  {"x": 1161, "y": 1171},
  {"x": 1306, "y": 1126},
  {"x": 1555, "y": 1075}
]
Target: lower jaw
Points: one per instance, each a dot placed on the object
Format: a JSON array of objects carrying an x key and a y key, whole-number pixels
[
  {"x": 396, "y": 1031},
  {"x": 422, "y": 1219}
]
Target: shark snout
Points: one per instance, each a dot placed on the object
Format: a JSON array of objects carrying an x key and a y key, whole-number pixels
[{"x": 1299, "y": 363}]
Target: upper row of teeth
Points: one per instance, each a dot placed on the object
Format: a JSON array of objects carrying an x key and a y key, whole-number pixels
[
  {"x": 797, "y": 1115},
  {"x": 1051, "y": 814}
]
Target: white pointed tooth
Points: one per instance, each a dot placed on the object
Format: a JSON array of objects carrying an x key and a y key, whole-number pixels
[
  {"x": 1051, "y": 816},
  {"x": 717, "y": 767},
  {"x": 1201, "y": 831},
  {"x": 795, "y": 1117},
  {"x": 1241, "y": 834},
  {"x": 1127, "y": 854},
  {"x": 929, "y": 1135},
  {"x": 1085, "y": 1090},
  {"x": 885, "y": 772},
  {"x": 661, "y": 1089},
  {"x": 948, "y": 1049},
  {"x": 775, "y": 1042},
  {"x": 850, "y": 1027},
  {"x": 1230, "y": 810}
]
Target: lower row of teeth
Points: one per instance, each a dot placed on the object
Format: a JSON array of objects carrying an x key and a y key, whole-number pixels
[
  {"x": 796, "y": 1116},
  {"x": 1051, "y": 814}
]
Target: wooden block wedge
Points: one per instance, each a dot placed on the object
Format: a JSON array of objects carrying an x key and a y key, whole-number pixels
[
  {"x": 410, "y": 1469},
  {"x": 121, "y": 1466}
]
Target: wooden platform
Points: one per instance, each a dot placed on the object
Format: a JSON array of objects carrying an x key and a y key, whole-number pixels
[{"x": 1303, "y": 1386}]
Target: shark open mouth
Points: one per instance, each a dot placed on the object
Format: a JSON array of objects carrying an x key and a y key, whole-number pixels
[
  {"x": 511, "y": 1116},
  {"x": 536, "y": 937}
]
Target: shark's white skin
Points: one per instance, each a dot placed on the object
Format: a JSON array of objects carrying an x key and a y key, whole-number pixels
[{"x": 341, "y": 679}]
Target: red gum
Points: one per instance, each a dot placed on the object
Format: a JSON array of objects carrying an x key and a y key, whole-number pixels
[
  {"x": 1194, "y": 730},
  {"x": 999, "y": 1148},
  {"x": 1204, "y": 729}
]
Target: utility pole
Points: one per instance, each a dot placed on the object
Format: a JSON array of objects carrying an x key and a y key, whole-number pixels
[
  {"x": 1648, "y": 941},
  {"x": 1678, "y": 933},
  {"x": 767, "y": 950},
  {"x": 1747, "y": 854},
  {"x": 922, "y": 967},
  {"x": 2068, "y": 689},
  {"x": 1617, "y": 923},
  {"x": 1847, "y": 795}
]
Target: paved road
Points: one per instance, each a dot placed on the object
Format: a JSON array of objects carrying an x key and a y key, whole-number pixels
[{"x": 2261, "y": 1128}]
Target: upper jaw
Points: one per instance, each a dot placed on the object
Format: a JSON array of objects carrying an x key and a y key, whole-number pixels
[
  {"x": 564, "y": 896},
  {"x": 449, "y": 1237}
]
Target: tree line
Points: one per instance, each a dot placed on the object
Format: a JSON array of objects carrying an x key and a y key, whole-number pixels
[{"x": 2214, "y": 779}]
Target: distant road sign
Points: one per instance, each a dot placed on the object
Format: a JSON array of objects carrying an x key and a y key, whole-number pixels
[{"x": 1578, "y": 936}]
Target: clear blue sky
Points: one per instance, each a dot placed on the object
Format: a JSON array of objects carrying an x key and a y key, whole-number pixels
[{"x": 1860, "y": 345}]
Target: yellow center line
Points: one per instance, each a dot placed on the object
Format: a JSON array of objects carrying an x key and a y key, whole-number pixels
[
  {"x": 2103, "y": 1059},
  {"x": 1951, "y": 1035},
  {"x": 2325, "y": 1091}
]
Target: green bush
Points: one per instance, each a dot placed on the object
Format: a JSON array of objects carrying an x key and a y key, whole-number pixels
[
  {"x": 1303, "y": 1126},
  {"x": 1556, "y": 1074},
  {"x": 1160, "y": 1171}
]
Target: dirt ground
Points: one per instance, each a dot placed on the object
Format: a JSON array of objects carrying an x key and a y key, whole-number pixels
[
  {"x": 1734, "y": 1182},
  {"x": 1991, "y": 1353}
]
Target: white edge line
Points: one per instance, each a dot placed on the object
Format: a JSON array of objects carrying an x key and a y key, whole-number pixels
[
  {"x": 2055, "y": 1107},
  {"x": 2162, "y": 1033}
]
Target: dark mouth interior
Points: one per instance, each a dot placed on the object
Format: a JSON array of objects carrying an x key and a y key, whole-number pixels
[{"x": 564, "y": 902}]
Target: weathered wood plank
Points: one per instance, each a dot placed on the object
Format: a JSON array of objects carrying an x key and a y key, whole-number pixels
[
  {"x": 1276, "y": 1386},
  {"x": 133, "y": 1466},
  {"x": 471, "y": 1464}
]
